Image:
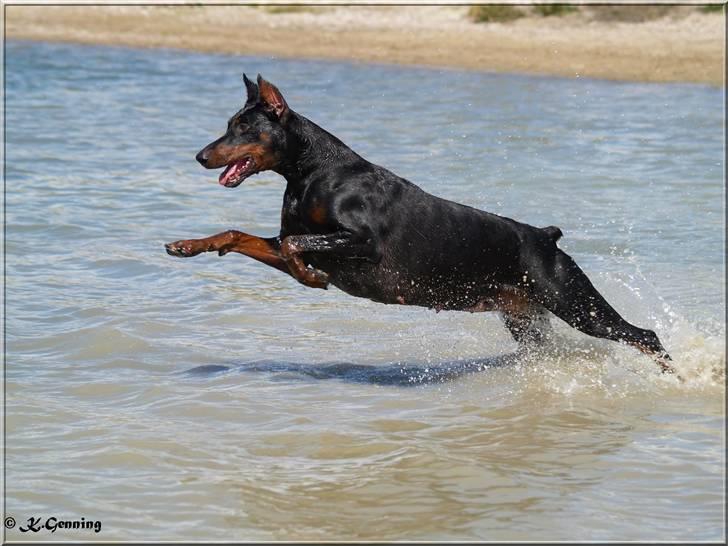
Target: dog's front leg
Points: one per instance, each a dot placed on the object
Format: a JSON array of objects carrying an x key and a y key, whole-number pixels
[
  {"x": 340, "y": 243},
  {"x": 266, "y": 250}
]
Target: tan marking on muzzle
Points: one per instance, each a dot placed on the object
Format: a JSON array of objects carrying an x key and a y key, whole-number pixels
[{"x": 223, "y": 155}]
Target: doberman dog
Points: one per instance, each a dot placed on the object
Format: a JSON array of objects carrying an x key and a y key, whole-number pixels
[{"x": 374, "y": 235}]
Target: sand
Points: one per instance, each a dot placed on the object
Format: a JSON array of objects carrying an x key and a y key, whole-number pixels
[{"x": 685, "y": 47}]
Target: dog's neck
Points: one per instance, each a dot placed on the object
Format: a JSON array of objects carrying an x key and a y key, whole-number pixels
[{"x": 309, "y": 148}]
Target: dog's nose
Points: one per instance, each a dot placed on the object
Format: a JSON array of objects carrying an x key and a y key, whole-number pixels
[{"x": 202, "y": 156}]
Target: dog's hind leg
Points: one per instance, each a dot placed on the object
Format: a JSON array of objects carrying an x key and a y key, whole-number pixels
[
  {"x": 526, "y": 320},
  {"x": 530, "y": 327},
  {"x": 563, "y": 288},
  {"x": 266, "y": 250}
]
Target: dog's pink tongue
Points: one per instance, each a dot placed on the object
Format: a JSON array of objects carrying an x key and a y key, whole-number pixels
[{"x": 231, "y": 172}]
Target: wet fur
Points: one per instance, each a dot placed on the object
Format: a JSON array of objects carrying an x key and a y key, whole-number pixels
[{"x": 375, "y": 235}]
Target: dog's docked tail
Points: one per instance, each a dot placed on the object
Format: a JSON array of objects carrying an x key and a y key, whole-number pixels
[{"x": 553, "y": 233}]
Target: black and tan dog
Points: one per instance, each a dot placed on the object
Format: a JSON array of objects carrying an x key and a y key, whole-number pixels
[{"x": 358, "y": 226}]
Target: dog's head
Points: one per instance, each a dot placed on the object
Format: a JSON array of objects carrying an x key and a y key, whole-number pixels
[{"x": 255, "y": 136}]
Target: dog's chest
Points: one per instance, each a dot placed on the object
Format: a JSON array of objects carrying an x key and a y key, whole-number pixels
[
  {"x": 296, "y": 218},
  {"x": 291, "y": 221}
]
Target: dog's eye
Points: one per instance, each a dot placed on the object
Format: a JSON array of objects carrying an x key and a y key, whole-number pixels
[{"x": 240, "y": 128}]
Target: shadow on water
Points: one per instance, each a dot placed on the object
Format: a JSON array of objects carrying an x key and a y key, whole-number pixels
[{"x": 396, "y": 374}]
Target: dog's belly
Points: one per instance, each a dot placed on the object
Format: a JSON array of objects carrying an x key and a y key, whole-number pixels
[{"x": 384, "y": 284}]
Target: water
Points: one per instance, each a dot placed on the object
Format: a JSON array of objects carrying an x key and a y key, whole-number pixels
[{"x": 215, "y": 398}]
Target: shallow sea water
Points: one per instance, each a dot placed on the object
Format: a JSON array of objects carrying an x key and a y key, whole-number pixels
[{"x": 215, "y": 398}]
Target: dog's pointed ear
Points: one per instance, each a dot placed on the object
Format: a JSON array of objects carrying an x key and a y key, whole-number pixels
[
  {"x": 272, "y": 100},
  {"x": 252, "y": 90}
]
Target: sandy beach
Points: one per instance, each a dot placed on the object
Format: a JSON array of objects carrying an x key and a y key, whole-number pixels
[{"x": 685, "y": 46}]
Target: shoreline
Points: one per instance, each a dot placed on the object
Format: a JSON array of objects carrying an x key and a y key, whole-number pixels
[{"x": 688, "y": 49}]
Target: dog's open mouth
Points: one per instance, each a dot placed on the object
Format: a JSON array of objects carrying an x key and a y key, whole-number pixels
[{"x": 237, "y": 171}]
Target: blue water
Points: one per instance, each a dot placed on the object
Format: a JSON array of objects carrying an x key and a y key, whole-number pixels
[{"x": 298, "y": 424}]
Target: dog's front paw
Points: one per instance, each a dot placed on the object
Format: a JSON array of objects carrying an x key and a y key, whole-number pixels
[
  {"x": 315, "y": 278},
  {"x": 182, "y": 249}
]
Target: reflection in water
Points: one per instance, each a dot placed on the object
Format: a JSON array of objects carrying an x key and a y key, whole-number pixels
[{"x": 402, "y": 375}]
